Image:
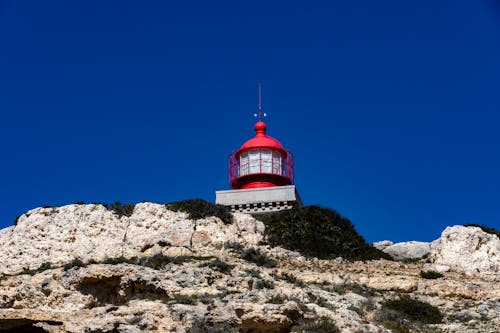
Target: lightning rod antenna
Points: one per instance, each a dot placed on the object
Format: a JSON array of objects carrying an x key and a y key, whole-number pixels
[{"x": 260, "y": 115}]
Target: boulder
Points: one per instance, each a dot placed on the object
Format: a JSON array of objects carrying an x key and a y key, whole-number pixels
[
  {"x": 407, "y": 250},
  {"x": 467, "y": 249}
]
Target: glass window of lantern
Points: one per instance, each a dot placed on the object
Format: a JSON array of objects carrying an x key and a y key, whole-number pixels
[
  {"x": 254, "y": 161},
  {"x": 244, "y": 164},
  {"x": 267, "y": 161},
  {"x": 276, "y": 162}
]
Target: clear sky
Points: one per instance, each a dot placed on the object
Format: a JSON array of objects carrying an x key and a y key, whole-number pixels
[{"x": 391, "y": 108}]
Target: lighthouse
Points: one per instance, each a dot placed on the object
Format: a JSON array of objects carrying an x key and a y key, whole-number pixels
[{"x": 261, "y": 175}]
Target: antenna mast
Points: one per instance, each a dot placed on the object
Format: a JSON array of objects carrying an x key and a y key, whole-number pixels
[{"x": 260, "y": 115}]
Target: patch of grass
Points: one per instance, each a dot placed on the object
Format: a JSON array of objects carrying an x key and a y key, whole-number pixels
[
  {"x": 156, "y": 262},
  {"x": 486, "y": 229},
  {"x": 277, "y": 299},
  {"x": 74, "y": 263},
  {"x": 318, "y": 232},
  {"x": 255, "y": 273},
  {"x": 185, "y": 299},
  {"x": 27, "y": 270},
  {"x": 290, "y": 278},
  {"x": 199, "y": 209},
  {"x": 258, "y": 258},
  {"x": 264, "y": 284},
  {"x": 415, "y": 260},
  {"x": 44, "y": 267},
  {"x": 234, "y": 246},
  {"x": 415, "y": 310},
  {"x": 397, "y": 327},
  {"x": 322, "y": 325},
  {"x": 356, "y": 309},
  {"x": 430, "y": 275},
  {"x": 220, "y": 266},
  {"x": 120, "y": 209},
  {"x": 321, "y": 301}
]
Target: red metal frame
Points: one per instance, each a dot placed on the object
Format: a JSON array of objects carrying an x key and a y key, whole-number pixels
[{"x": 265, "y": 179}]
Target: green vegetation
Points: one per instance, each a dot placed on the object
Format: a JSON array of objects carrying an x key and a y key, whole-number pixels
[
  {"x": 184, "y": 299},
  {"x": 258, "y": 258},
  {"x": 415, "y": 310},
  {"x": 488, "y": 230},
  {"x": 322, "y": 325},
  {"x": 74, "y": 263},
  {"x": 415, "y": 260},
  {"x": 290, "y": 278},
  {"x": 277, "y": 299},
  {"x": 430, "y": 275},
  {"x": 158, "y": 261},
  {"x": 397, "y": 327},
  {"x": 234, "y": 246},
  {"x": 264, "y": 284},
  {"x": 220, "y": 266},
  {"x": 318, "y": 232},
  {"x": 199, "y": 209},
  {"x": 253, "y": 272},
  {"x": 120, "y": 209}
]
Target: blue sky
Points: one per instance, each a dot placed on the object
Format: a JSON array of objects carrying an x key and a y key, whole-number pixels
[{"x": 391, "y": 107}]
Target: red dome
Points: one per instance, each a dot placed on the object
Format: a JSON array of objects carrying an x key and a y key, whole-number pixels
[{"x": 261, "y": 140}]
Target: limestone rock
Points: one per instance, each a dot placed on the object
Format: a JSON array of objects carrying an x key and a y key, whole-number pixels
[
  {"x": 407, "y": 250},
  {"x": 196, "y": 281},
  {"x": 92, "y": 232},
  {"x": 382, "y": 244},
  {"x": 467, "y": 249}
]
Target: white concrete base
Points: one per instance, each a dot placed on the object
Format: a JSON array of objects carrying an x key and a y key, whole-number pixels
[{"x": 259, "y": 200}]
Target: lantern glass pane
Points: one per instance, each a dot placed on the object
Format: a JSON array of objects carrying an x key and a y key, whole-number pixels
[
  {"x": 267, "y": 161},
  {"x": 276, "y": 163},
  {"x": 244, "y": 164},
  {"x": 254, "y": 161}
]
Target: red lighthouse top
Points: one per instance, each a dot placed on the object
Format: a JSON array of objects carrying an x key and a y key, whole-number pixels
[
  {"x": 260, "y": 162},
  {"x": 262, "y": 140}
]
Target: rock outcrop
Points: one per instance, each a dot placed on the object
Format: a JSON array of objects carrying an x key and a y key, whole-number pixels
[
  {"x": 467, "y": 249},
  {"x": 83, "y": 268},
  {"x": 92, "y": 232},
  {"x": 405, "y": 250}
]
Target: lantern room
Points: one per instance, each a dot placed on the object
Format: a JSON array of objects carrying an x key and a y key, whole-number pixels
[{"x": 261, "y": 162}]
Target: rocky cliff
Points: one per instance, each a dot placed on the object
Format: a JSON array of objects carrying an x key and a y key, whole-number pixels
[{"x": 85, "y": 268}]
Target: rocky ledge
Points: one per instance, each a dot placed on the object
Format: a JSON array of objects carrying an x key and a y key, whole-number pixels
[{"x": 84, "y": 268}]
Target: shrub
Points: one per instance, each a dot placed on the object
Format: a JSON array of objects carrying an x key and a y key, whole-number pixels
[
  {"x": 235, "y": 246},
  {"x": 276, "y": 299},
  {"x": 488, "y": 230},
  {"x": 415, "y": 310},
  {"x": 43, "y": 267},
  {"x": 258, "y": 258},
  {"x": 430, "y": 275},
  {"x": 199, "y": 209},
  {"x": 322, "y": 325},
  {"x": 27, "y": 270},
  {"x": 415, "y": 260},
  {"x": 74, "y": 263},
  {"x": 253, "y": 273},
  {"x": 318, "y": 232},
  {"x": 184, "y": 299},
  {"x": 121, "y": 209},
  {"x": 264, "y": 284},
  {"x": 220, "y": 266},
  {"x": 290, "y": 278}
]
